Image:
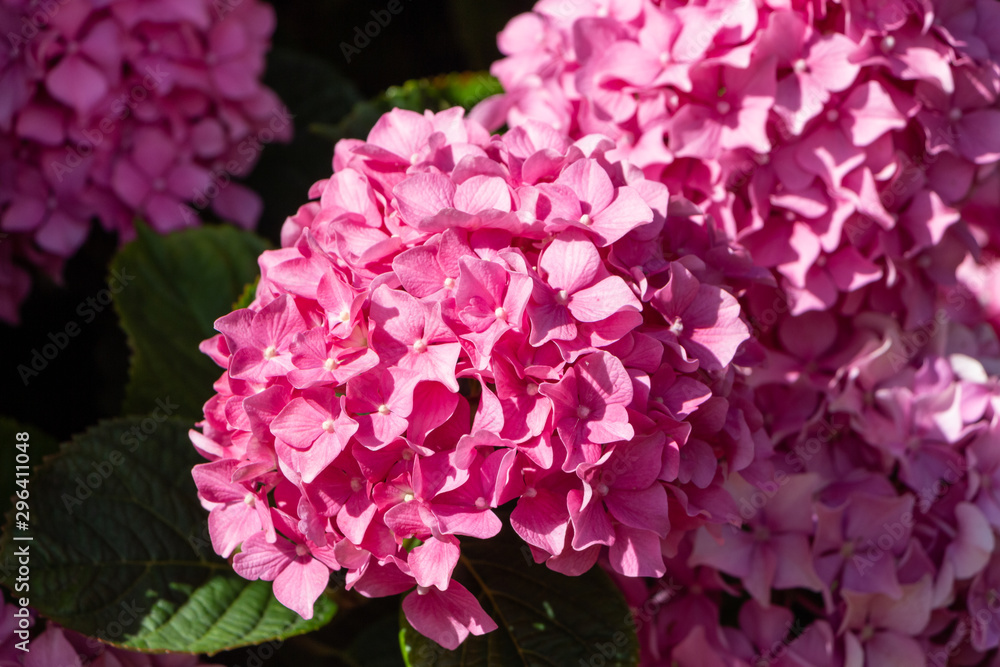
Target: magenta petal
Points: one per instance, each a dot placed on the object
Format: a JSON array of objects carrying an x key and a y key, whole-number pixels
[
  {"x": 433, "y": 562},
  {"x": 571, "y": 262},
  {"x": 448, "y": 616},
  {"x": 624, "y": 214},
  {"x": 872, "y": 114},
  {"x": 299, "y": 423},
  {"x": 481, "y": 525},
  {"x": 591, "y": 525},
  {"x": 590, "y": 183},
  {"x": 77, "y": 83},
  {"x": 49, "y": 649},
  {"x": 482, "y": 193},
  {"x": 979, "y": 136},
  {"x": 541, "y": 520},
  {"x": 600, "y": 301},
  {"x": 423, "y": 196},
  {"x": 637, "y": 553},
  {"x": 231, "y": 525},
  {"x": 300, "y": 585},
  {"x": 239, "y": 204},
  {"x": 646, "y": 509},
  {"x": 890, "y": 649},
  {"x": 260, "y": 559}
]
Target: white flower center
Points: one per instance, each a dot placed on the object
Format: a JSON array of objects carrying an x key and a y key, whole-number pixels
[
  {"x": 582, "y": 411},
  {"x": 383, "y": 409},
  {"x": 331, "y": 364},
  {"x": 500, "y": 313},
  {"x": 419, "y": 345},
  {"x": 250, "y": 500},
  {"x": 532, "y": 389},
  {"x": 271, "y": 352},
  {"x": 449, "y": 283},
  {"x": 481, "y": 503},
  {"x": 800, "y": 66},
  {"x": 530, "y": 492},
  {"x": 356, "y": 484},
  {"x": 407, "y": 497},
  {"x": 328, "y": 426},
  {"x": 562, "y": 297},
  {"x": 345, "y": 316},
  {"x": 585, "y": 219},
  {"x": 301, "y": 550},
  {"x": 888, "y": 43}
]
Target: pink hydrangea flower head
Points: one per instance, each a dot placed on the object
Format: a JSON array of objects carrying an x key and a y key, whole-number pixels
[
  {"x": 451, "y": 327},
  {"x": 837, "y": 141},
  {"x": 127, "y": 110}
]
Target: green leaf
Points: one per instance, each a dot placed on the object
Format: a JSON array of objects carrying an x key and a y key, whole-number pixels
[
  {"x": 544, "y": 618},
  {"x": 249, "y": 294},
  {"x": 177, "y": 286},
  {"x": 120, "y": 549},
  {"x": 465, "y": 89}
]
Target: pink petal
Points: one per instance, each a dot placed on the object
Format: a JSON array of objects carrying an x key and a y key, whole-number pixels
[
  {"x": 571, "y": 261},
  {"x": 590, "y": 183},
  {"x": 979, "y": 136},
  {"x": 300, "y": 585},
  {"x": 77, "y": 83},
  {"x": 260, "y": 559},
  {"x": 869, "y": 113},
  {"x": 645, "y": 509},
  {"x": 433, "y": 562},
  {"x": 600, "y": 301},
  {"x": 49, "y": 649},
  {"x": 637, "y": 553},
  {"x": 483, "y": 193},
  {"x": 448, "y": 616},
  {"x": 423, "y": 196}
]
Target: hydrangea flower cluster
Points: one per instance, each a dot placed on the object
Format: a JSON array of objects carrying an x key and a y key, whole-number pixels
[
  {"x": 851, "y": 147},
  {"x": 118, "y": 110},
  {"x": 868, "y": 535},
  {"x": 57, "y": 647},
  {"x": 459, "y": 321},
  {"x": 755, "y": 375}
]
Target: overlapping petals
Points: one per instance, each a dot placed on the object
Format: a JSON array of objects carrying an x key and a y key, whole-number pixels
[
  {"x": 125, "y": 110},
  {"x": 449, "y": 329}
]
